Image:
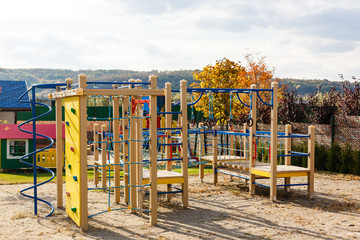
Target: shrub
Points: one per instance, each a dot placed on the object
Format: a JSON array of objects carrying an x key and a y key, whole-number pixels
[
  {"x": 299, "y": 161},
  {"x": 321, "y": 155},
  {"x": 333, "y": 160},
  {"x": 346, "y": 159}
]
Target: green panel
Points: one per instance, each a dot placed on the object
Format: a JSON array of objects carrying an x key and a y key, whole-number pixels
[
  {"x": 12, "y": 163},
  {"x": 98, "y": 111},
  {"x": 23, "y": 116}
]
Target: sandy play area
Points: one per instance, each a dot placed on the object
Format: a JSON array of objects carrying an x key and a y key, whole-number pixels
[{"x": 222, "y": 212}]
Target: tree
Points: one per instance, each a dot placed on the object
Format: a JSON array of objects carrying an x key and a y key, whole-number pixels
[
  {"x": 322, "y": 106},
  {"x": 350, "y": 99},
  {"x": 292, "y": 107},
  {"x": 229, "y": 74}
]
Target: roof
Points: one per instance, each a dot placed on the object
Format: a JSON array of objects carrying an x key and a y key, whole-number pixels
[
  {"x": 10, "y": 91},
  {"x": 11, "y": 131}
]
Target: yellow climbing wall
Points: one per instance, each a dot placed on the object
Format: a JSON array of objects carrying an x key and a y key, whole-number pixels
[{"x": 72, "y": 158}]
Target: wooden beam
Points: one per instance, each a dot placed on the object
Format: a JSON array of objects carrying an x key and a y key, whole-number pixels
[
  {"x": 116, "y": 132},
  {"x": 153, "y": 152},
  {"x": 201, "y": 151},
  {"x": 273, "y": 142},
  {"x": 59, "y": 154},
  {"x": 252, "y": 148},
  {"x": 125, "y": 129},
  {"x": 168, "y": 120},
  {"x": 96, "y": 153},
  {"x": 104, "y": 128},
  {"x": 215, "y": 156},
  {"x": 184, "y": 141},
  {"x": 287, "y": 151},
  {"x": 311, "y": 161},
  {"x": 83, "y": 158},
  {"x": 132, "y": 155},
  {"x": 125, "y": 92},
  {"x": 67, "y": 93},
  {"x": 139, "y": 152}
]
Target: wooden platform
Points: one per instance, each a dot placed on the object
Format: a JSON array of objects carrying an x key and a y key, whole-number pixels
[
  {"x": 241, "y": 165},
  {"x": 282, "y": 171},
  {"x": 210, "y": 158},
  {"x": 237, "y": 173},
  {"x": 164, "y": 177}
]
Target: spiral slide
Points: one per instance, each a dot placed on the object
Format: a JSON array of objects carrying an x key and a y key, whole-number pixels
[{"x": 33, "y": 154}]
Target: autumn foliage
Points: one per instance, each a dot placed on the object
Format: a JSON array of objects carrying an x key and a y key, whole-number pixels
[{"x": 229, "y": 74}]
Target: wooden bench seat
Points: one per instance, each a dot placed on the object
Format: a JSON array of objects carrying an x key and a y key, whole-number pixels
[{"x": 282, "y": 171}]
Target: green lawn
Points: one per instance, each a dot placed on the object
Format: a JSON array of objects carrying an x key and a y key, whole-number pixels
[{"x": 26, "y": 176}]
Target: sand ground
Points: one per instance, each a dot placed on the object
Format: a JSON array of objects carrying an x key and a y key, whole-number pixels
[{"x": 225, "y": 211}]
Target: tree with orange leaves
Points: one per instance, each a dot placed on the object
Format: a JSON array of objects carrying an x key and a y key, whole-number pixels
[{"x": 228, "y": 74}]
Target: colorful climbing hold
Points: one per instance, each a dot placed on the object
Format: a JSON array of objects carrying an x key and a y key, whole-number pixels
[{"x": 73, "y": 209}]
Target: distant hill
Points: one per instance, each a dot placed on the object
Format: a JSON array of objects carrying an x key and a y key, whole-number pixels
[
  {"x": 36, "y": 76},
  {"x": 304, "y": 87}
]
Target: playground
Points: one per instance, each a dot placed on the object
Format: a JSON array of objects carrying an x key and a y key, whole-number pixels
[
  {"x": 139, "y": 156},
  {"x": 225, "y": 211}
]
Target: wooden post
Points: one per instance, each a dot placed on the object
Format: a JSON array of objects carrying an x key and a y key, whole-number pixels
[
  {"x": 252, "y": 140},
  {"x": 139, "y": 152},
  {"x": 153, "y": 153},
  {"x": 201, "y": 150},
  {"x": 83, "y": 156},
  {"x": 287, "y": 151},
  {"x": 311, "y": 161},
  {"x": 104, "y": 129},
  {"x": 132, "y": 155},
  {"x": 244, "y": 138},
  {"x": 168, "y": 119},
  {"x": 125, "y": 127},
  {"x": 231, "y": 146},
  {"x": 273, "y": 142},
  {"x": 184, "y": 141},
  {"x": 116, "y": 138},
  {"x": 96, "y": 153},
  {"x": 215, "y": 155},
  {"x": 59, "y": 152}
]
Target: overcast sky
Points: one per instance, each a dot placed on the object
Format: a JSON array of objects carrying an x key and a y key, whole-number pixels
[{"x": 300, "y": 39}]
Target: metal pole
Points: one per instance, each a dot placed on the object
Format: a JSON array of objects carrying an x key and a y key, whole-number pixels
[{"x": 33, "y": 105}]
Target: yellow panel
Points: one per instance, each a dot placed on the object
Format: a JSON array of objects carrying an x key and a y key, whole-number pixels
[
  {"x": 292, "y": 174},
  {"x": 72, "y": 158},
  {"x": 46, "y": 158},
  {"x": 260, "y": 173},
  {"x": 165, "y": 180},
  {"x": 279, "y": 174}
]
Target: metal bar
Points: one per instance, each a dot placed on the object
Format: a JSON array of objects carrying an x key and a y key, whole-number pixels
[
  {"x": 231, "y": 174},
  {"x": 33, "y": 106}
]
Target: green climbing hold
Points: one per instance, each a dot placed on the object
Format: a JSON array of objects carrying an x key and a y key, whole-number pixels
[
  {"x": 69, "y": 166},
  {"x": 73, "y": 110},
  {"x": 73, "y": 209}
]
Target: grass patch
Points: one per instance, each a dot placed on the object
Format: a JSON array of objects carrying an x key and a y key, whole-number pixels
[
  {"x": 22, "y": 176},
  {"x": 194, "y": 170}
]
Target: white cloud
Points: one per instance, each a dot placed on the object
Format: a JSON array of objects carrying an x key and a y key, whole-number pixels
[{"x": 310, "y": 38}]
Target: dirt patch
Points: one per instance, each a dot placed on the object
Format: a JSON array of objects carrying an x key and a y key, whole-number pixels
[{"x": 225, "y": 211}]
